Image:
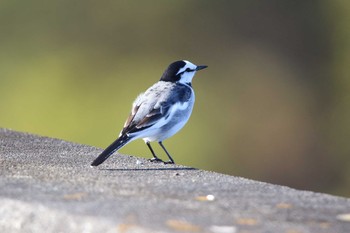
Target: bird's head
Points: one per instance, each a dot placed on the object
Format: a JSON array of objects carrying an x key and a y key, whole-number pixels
[{"x": 181, "y": 71}]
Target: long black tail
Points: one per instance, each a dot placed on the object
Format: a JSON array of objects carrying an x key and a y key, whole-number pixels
[{"x": 116, "y": 145}]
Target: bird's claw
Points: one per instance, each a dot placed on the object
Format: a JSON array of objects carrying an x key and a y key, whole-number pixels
[
  {"x": 156, "y": 160},
  {"x": 169, "y": 162}
]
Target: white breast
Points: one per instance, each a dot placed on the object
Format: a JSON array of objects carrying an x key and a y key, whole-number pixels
[{"x": 178, "y": 117}]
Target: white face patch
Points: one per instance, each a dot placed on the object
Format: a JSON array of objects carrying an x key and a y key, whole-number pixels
[
  {"x": 188, "y": 65},
  {"x": 186, "y": 76}
]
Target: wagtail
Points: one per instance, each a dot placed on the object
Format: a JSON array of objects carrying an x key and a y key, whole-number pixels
[{"x": 160, "y": 112}]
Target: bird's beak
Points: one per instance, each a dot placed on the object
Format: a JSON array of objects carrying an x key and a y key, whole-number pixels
[{"x": 200, "y": 67}]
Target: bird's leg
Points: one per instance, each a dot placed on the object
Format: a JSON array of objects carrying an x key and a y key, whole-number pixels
[
  {"x": 155, "y": 158},
  {"x": 171, "y": 161}
]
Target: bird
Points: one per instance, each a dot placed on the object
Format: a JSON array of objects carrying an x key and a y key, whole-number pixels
[{"x": 160, "y": 112}]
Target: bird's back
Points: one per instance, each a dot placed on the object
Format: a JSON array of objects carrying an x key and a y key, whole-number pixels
[{"x": 158, "y": 102}]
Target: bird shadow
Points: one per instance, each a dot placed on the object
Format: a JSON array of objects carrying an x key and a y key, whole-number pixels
[{"x": 150, "y": 169}]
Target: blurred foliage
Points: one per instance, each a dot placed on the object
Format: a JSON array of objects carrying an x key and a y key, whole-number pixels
[{"x": 273, "y": 104}]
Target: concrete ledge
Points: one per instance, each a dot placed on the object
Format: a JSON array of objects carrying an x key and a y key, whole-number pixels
[{"x": 47, "y": 185}]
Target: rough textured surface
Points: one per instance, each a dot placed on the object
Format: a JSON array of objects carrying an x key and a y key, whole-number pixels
[{"x": 47, "y": 185}]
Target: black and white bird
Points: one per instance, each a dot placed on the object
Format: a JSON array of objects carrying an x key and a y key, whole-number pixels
[{"x": 160, "y": 112}]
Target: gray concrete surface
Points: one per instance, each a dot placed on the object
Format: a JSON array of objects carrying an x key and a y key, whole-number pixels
[{"x": 47, "y": 185}]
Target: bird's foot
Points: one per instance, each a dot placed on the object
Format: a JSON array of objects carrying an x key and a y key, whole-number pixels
[
  {"x": 169, "y": 162},
  {"x": 156, "y": 160}
]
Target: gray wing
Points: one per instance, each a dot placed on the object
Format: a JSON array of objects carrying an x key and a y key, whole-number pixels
[{"x": 154, "y": 104}]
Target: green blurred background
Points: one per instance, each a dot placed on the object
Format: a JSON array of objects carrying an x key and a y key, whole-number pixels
[{"x": 274, "y": 104}]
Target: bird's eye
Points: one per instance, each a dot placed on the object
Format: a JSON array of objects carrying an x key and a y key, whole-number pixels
[{"x": 188, "y": 70}]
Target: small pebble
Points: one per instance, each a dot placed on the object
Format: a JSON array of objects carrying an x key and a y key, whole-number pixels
[
  {"x": 139, "y": 162},
  {"x": 206, "y": 198},
  {"x": 223, "y": 229},
  {"x": 344, "y": 217}
]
